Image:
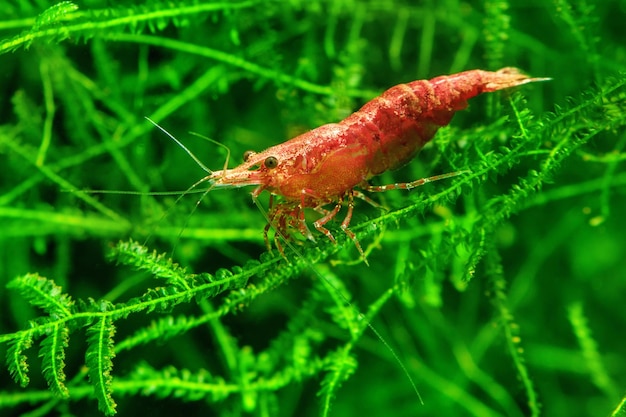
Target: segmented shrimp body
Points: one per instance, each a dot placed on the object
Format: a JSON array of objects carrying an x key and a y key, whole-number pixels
[{"x": 325, "y": 165}]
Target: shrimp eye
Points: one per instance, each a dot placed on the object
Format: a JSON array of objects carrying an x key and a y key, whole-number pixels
[
  {"x": 270, "y": 162},
  {"x": 247, "y": 155}
]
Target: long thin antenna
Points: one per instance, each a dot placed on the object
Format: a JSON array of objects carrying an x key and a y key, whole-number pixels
[
  {"x": 140, "y": 193},
  {"x": 218, "y": 144},
  {"x": 200, "y": 164},
  {"x": 192, "y": 188}
]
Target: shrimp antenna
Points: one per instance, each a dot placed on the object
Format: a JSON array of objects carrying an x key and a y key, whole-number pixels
[
  {"x": 194, "y": 157},
  {"x": 140, "y": 193},
  {"x": 216, "y": 143},
  {"x": 190, "y": 190}
]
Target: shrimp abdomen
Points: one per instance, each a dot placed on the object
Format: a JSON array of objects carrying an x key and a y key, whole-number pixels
[{"x": 397, "y": 124}]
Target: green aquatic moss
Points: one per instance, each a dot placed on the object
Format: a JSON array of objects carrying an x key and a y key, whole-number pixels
[{"x": 495, "y": 293}]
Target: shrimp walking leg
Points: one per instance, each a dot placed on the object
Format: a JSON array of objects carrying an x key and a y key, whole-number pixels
[
  {"x": 319, "y": 224},
  {"x": 345, "y": 224},
  {"x": 412, "y": 184}
]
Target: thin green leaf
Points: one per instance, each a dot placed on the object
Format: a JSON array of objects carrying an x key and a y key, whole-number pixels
[
  {"x": 88, "y": 23},
  {"x": 17, "y": 360},
  {"x": 99, "y": 360},
  {"x": 340, "y": 366},
  {"x": 53, "y": 14},
  {"x": 52, "y": 353},
  {"x": 45, "y": 294}
]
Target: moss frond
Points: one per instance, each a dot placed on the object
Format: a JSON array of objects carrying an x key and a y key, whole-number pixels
[
  {"x": 45, "y": 294},
  {"x": 180, "y": 383},
  {"x": 495, "y": 273},
  {"x": 52, "y": 353},
  {"x": 340, "y": 366},
  {"x": 200, "y": 320},
  {"x": 63, "y": 21},
  {"x": 17, "y": 362},
  {"x": 99, "y": 360},
  {"x": 589, "y": 350}
]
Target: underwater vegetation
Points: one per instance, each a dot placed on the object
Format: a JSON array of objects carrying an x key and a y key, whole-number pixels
[{"x": 497, "y": 292}]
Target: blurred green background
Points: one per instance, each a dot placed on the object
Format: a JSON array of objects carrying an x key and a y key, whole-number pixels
[{"x": 507, "y": 288}]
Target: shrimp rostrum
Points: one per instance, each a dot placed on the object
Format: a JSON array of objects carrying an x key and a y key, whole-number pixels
[{"x": 321, "y": 169}]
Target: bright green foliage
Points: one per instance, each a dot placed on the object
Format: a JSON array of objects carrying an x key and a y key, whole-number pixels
[
  {"x": 341, "y": 367},
  {"x": 53, "y": 15},
  {"x": 499, "y": 292},
  {"x": 52, "y": 354},
  {"x": 593, "y": 360},
  {"x": 17, "y": 360},
  {"x": 45, "y": 294},
  {"x": 99, "y": 360}
]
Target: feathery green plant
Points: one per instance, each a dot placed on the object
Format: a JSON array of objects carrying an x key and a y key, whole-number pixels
[{"x": 496, "y": 293}]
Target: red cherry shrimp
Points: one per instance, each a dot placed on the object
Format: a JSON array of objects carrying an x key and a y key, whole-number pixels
[{"x": 328, "y": 165}]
